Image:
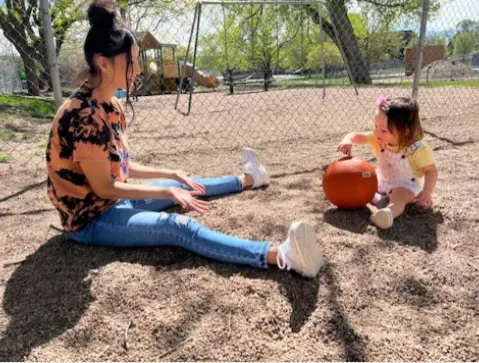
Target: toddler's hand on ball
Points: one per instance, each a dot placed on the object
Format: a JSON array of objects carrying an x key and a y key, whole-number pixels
[{"x": 345, "y": 148}]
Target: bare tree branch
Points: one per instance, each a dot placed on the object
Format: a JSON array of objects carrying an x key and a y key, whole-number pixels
[
  {"x": 281, "y": 45},
  {"x": 138, "y": 21},
  {"x": 319, "y": 20},
  {"x": 158, "y": 23},
  {"x": 29, "y": 10},
  {"x": 150, "y": 2},
  {"x": 385, "y": 3},
  {"x": 11, "y": 15},
  {"x": 252, "y": 15}
]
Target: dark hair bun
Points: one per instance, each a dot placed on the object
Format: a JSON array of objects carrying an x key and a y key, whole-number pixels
[{"x": 102, "y": 14}]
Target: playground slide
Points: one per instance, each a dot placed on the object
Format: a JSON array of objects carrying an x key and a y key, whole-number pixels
[{"x": 200, "y": 78}]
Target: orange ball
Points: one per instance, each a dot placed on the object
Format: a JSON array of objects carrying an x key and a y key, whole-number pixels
[{"x": 350, "y": 182}]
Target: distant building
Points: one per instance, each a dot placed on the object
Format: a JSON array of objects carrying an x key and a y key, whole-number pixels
[{"x": 431, "y": 53}]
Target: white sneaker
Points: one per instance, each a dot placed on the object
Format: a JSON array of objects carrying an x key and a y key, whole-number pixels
[
  {"x": 383, "y": 218},
  {"x": 300, "y": 251},
  {"x": 254, "y": 168}
]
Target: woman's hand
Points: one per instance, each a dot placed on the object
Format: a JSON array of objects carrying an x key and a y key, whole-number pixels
[
  {"x": 187, "y": 200},
  {"x": 185, "y": 178}
]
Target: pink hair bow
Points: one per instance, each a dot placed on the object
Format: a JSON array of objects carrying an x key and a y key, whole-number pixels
[{"x": 382, "y": 101}]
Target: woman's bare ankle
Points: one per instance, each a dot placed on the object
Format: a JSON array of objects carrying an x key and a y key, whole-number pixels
[
  {"x": 247, "y": 181},
  {"x": 272, "y": 256}
]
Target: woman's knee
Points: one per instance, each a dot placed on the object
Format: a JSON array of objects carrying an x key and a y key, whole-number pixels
[
  {"x": 180, "y": 219},
  {"x": 179, "y": 222}
]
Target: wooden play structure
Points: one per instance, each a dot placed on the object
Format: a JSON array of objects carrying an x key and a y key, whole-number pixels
[{"x": 160, "y": 71}]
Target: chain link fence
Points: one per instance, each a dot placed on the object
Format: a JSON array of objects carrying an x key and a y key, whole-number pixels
[{"x": 282, "y": 76}]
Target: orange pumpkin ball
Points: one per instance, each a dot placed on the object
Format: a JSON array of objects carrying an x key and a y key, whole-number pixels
[{"x": 350, "y": 182}]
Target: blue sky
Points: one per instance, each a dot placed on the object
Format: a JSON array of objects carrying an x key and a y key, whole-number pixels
[{"x": 452, "y": 12}]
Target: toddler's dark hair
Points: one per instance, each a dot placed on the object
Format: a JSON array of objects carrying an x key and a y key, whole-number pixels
[{"x": 403, "y": 116}]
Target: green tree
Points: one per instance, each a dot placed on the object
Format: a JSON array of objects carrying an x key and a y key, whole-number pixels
[
  {"x": 141, "y": 15},
  {"x": 376, "y": 39},
  {"x": 286, "y": 36},
  {"x": 211, "y": 55},
  {"x": 255, "y": 37},
  {"x": 327, "y": 53},
  {"x": 464, "y": 43},
  {"x": 22, "y": 24},
  {"x": 338, "y": 23},
  {"x": 468, "y": 26}
]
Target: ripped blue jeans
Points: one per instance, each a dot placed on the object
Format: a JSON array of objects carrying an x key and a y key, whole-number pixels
[{"x": 143, "y": 223}]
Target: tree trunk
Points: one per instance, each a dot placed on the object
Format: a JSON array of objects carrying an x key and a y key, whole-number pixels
[
  {"x": 268, "y": 75},
  {"x": 347, "y": 40},
  {"x": 45, "y": 75},
  {"x": 27, "y": 37},
  {"x": 15, "y": 36},
  {"x": 31, "y": 76}
]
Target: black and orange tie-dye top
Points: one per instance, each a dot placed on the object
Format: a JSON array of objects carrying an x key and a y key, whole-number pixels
[{"x": 84, "y": 130}]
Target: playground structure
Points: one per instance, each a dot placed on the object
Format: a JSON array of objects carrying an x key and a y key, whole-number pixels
[{"x": 160, "y": 70}]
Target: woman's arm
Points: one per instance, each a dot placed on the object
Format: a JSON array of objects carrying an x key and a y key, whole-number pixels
[
  {"x": 144, "y": 172},
  {"x": 138, "y": 171},
  {"x": 100, "y": 180},
  {"x": 99, "y": 177}
]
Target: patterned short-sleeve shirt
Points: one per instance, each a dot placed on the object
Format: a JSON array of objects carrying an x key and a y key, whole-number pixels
[{"x": 84, "y": 129}]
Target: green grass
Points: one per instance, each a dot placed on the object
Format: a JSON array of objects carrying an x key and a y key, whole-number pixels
[
  {"x": 4, "y": 116},
  {"x": 468, "y": 83},
  {"x": 42, "y": 143},
  {"x": 6, "y": 137},
  {"x": 5, "y": 159},
  {"x": 344, "y": 82},
  {"x": 28, "y": 106},
  {"x": 38, "y": 153},
  {"x": 388, "y": 70},
  {"x": 430, "y": 84}
]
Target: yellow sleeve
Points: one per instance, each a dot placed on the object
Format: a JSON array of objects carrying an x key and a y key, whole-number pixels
[
  {"x": 422, "y": 157},
  {"x": 372, "y": 142}
]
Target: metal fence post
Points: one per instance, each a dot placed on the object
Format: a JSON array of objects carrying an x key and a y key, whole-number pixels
[
  {"x": 182, "y": 72},
  {"x": 420, "y": 48},
  {"x": 194, "y": 57},
  {"x": 51, "y": 51}
]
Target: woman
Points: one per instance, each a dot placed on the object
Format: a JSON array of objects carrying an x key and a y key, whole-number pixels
[{"x": 89, "y": 165}]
